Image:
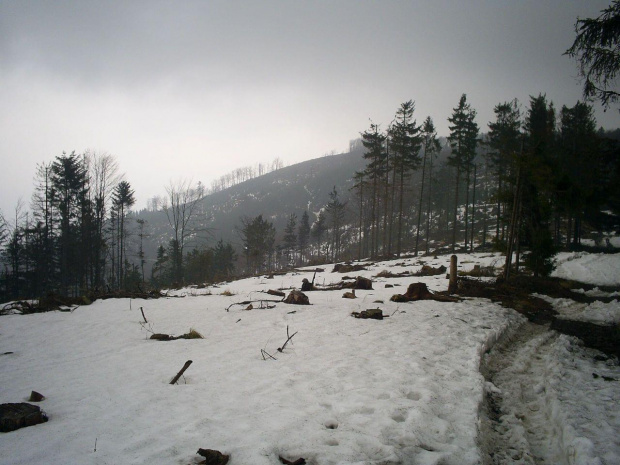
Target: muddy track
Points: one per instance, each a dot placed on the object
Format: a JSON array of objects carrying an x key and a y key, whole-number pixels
[{"x": 513, "y": 424}]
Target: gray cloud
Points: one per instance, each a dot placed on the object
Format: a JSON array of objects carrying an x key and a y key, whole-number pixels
[{"x": 197, "y": 88}]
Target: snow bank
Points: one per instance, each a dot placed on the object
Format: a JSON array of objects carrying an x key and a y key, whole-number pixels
[
  {"x": 597, "y": 312},
  {"x": 598, "y": 269},
  {"x": 579, "y": 399}
]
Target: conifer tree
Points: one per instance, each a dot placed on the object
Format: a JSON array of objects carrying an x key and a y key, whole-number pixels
[
  {"x": 123, "y": 200},
  {"x": 504, "y": 140},
  {"x": 406, "y": 143},
  {"x": 375, "y": 170},
  {"x": 290, "y": 238},
  {"x": 319, "y": 229},
  {"x": 258, "y": 236},
  {"x": 579, "y": 172},
  {"x": 431, "y": 147},
  {"x": 68, "y": 179},
  {"x": 597, "y": 51},
  {"x": 303, "y": 235},
  {"x": 463, "y": 140},
  {"x": 336, "y": 210},
  {"x": 534, "y": 198}
]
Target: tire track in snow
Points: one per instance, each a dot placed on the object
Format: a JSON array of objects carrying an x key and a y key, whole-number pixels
[{"x": 516, "y": 423}]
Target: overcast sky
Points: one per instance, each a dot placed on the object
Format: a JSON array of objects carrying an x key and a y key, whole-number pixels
[{"x": 194, "y": 89}]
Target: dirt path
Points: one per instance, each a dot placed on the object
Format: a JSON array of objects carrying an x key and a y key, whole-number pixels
[{"x": 516, "y": 427}]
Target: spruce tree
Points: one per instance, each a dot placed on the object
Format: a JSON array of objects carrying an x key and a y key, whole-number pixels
[
  {"x": 504, "y": 141},
  {"x": 373, "y": 140},
  {"x": 431, "y": 147},
  {"x": 123, "y": 200},
  {"x": 68, "y": 178},
  {"x": 535, "y": 197},
  {"x": 336, "y": 210},
  {"x": 463, "y": 140},
  {"x": 597, "y": 51},
  {"x": 303, "y": 236},
  {"x": 290, "y": 238},
  {"x": 406, "y": 143},
  {"x": 319, "y": 230}
]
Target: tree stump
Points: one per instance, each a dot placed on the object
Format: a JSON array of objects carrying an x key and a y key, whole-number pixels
[
  {"x": 297, "y": 298},
  {"x": 419, "y": 291},
  {"x": 452, "y": 287},
  {"x": 15, "y": 416}
]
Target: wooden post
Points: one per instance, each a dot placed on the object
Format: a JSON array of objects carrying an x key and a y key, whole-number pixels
[
  {"x": 453, "y": 266},
  {"x": 180, "y": 373}
]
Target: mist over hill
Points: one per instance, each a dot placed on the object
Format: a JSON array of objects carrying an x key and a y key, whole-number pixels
[{"x": 275, "y": 195}]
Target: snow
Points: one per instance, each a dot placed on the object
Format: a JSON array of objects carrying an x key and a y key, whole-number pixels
[
  {"x": 404, "y": 390},
  {"x": 588, "y": 416},
  {"x": 597, "y": 312},
  {"x": 590, "y": 268},
  {"x": 554, "y": 408}
]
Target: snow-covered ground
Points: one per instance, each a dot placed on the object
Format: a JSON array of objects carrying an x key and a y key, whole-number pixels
[
  {"x": 591, "y": 268},
  {"x": 405, "y": 390}
]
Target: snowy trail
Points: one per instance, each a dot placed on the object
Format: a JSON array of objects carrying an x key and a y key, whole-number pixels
[
  {"x": 514, "y": 425},
  {"x": 542, "y": 404}
]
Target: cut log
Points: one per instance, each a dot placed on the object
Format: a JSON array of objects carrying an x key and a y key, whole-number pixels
[
  {"x": 15, "y": 416},
  {"x": 427, "y": 270},
  {"x": 276, "y": 293},
  {"x": 371, "y": 313}
]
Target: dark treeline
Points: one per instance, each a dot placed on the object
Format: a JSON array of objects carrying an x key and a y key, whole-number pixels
[
  {"x": 535, "y": 182},
  {"x": 79, "y": 236},
  {"x": 537, "y": 179},
  {"x": 74, "y": 237}
]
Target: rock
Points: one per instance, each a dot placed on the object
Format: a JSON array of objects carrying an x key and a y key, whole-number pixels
[
  {"x": 36, "y": 397},
  {"x": 15, "y": 416},
  {"x": 363, "y": 283},
  {"x": 296, "y": 297},
  {"x": 162, "y": 337},
  {"x": 349, "y": 295},
  {"x": 299, "y": 461},
  {"x": 213, "y": 457}
]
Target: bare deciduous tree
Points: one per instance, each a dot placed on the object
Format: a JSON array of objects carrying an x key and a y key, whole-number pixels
[{"x": 182, "y": 207}]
